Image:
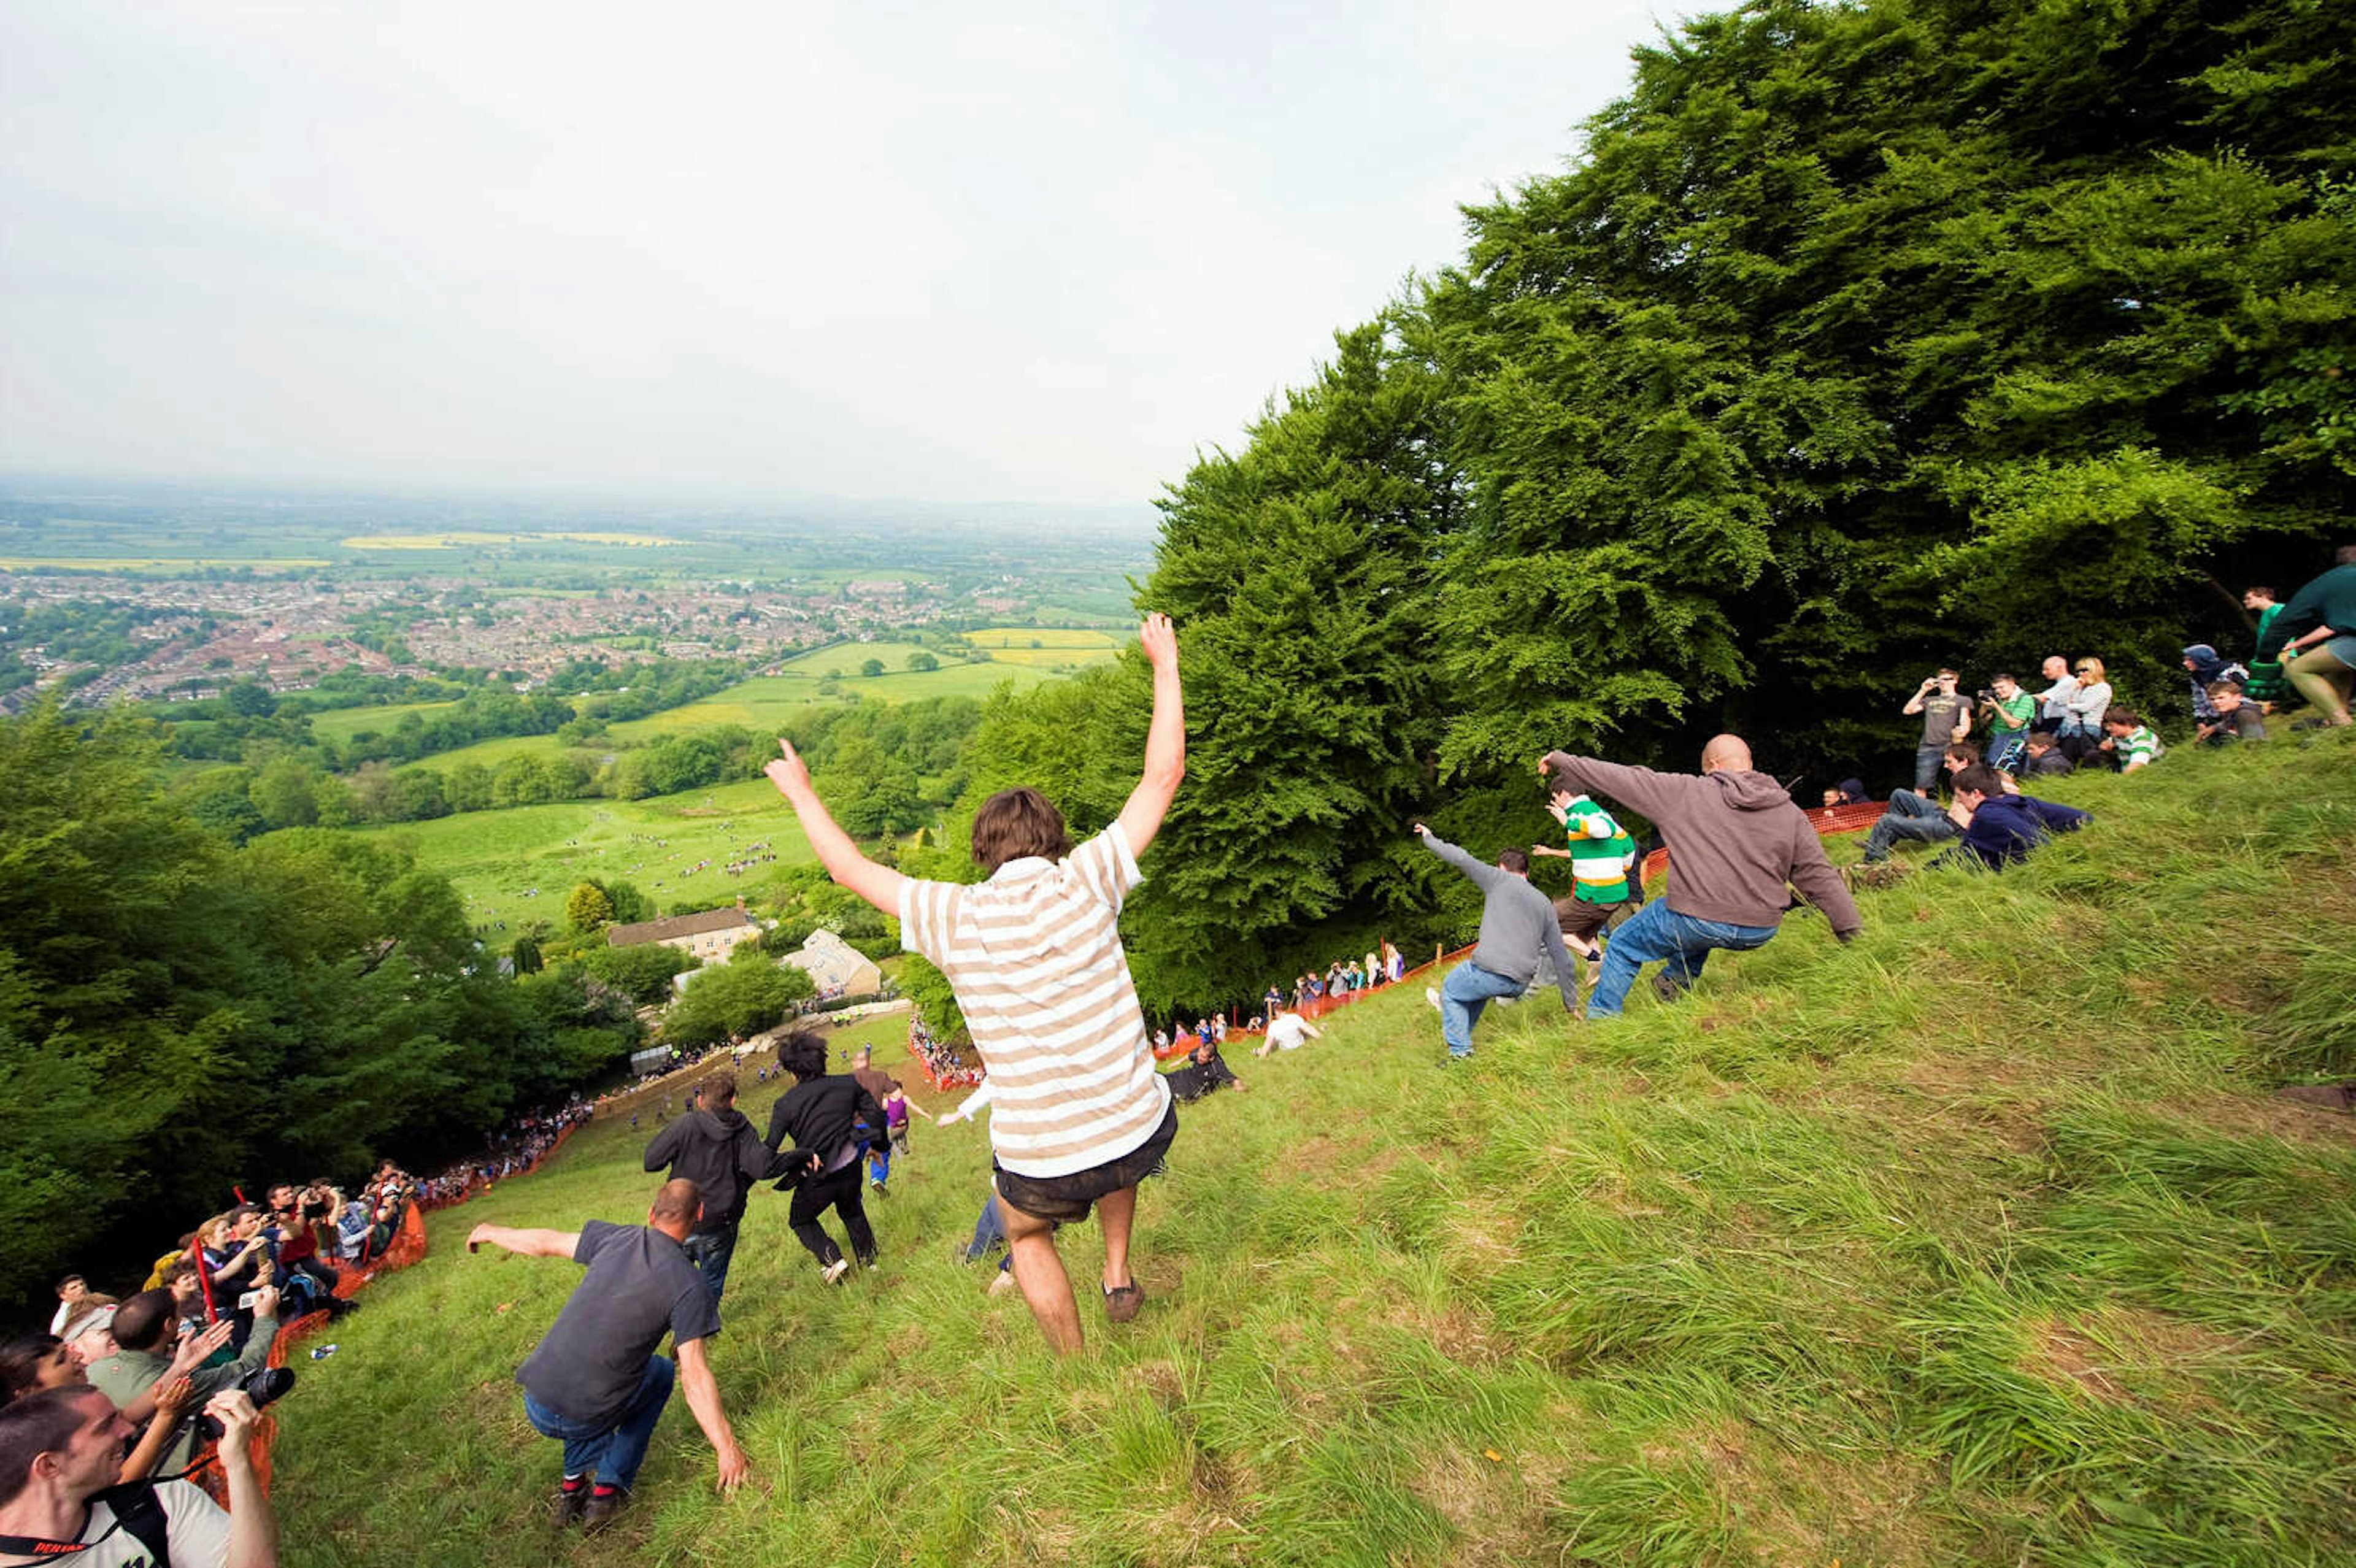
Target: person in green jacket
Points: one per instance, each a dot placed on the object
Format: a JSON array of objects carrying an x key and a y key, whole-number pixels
[{"x": 2314, "y": 639}]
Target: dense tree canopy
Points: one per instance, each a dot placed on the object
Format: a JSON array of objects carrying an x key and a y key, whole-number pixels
[
  {"x": 1859, "y": 338},
  {"x": 178, "y": 1015}
]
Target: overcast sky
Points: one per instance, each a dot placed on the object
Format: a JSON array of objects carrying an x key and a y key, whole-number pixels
[{"x": 969, "y": 252}]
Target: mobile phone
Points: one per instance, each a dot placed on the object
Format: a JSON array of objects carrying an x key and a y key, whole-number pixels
[{"x": 245, "y": 1303}]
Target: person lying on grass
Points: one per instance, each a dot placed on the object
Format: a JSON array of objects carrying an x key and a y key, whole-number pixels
[
  {"x": 1079, "y": 1116},
  {"x": 2000, "y": 829}
]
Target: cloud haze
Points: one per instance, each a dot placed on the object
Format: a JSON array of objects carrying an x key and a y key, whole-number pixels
[{"x": 932, "y": 250}]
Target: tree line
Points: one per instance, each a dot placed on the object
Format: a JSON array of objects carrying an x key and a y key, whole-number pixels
[
  {"x": 897, "y": 765},
  {"x": 1857, "y": 340},
  {"x": 179, "y": 1014}
]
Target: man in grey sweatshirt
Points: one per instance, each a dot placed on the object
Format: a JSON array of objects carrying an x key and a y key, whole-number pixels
[
  {"x": 1736, "y": 848},
  {"x": 1517, "y": 922}
]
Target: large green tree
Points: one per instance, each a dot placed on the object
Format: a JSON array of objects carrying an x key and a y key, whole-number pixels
[
  {"x": 1858, "y": 339},
  {"x": 179, "y": 1016}
]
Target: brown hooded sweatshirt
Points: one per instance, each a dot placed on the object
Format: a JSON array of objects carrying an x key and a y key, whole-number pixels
[{"x": 1735, "y": 841}]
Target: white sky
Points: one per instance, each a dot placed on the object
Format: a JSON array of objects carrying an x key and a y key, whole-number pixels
[{"x": 1002, "y": 251}]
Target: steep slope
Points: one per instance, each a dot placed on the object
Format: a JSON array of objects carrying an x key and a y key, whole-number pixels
[{"x": 1977, "y": 1239}]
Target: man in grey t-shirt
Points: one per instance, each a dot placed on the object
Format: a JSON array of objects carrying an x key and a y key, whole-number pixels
[
  {"x": 1946, "y": 719},
  {"x": 595, "y": 1382},
  {"x": 1517, "y": 923}
]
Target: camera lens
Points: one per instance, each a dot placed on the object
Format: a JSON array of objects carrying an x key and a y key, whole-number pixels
[{"x": 263, "y": 1386}]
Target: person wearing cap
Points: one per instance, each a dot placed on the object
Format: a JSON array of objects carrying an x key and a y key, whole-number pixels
[{"x": 150, "y": 1348}]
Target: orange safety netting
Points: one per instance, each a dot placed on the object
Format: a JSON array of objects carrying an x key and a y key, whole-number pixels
[
  {"x": 944, "y": 1081},
  {"x": 406, "y": 1247}
]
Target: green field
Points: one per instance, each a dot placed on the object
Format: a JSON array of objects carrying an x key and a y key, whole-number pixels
[
  {"x": 1978, "y": 1240},
  {"x": 342, "y": 723},
  {"x": 491, "y": 754},
  {"x": 516, "y": 866},
  {"x": 766, "y": 704}
]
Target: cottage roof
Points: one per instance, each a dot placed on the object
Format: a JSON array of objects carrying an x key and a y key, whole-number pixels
[{"x": 674, "y": 927}]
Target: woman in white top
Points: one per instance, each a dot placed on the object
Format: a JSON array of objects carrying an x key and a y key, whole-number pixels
[{"x": 2081, "y": 731}]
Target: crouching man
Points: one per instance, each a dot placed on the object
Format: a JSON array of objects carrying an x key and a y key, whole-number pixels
[
  {"x": 60, "y": 1452},
  {"x": 595, "y": 1383},
  {"x": 1737, "y": 848}
]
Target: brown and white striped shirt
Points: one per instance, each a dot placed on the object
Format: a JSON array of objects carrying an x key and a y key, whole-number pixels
[{"x": 1035, "y": 958}]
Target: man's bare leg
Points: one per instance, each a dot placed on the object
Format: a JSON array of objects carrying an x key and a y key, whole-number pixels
[
  {"x": 1039, "y": 1273},
  {"x": 1115, "y": 1210}
]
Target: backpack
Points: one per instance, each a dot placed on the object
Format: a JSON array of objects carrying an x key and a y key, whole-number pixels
[{"x": 138, "y": 1512}]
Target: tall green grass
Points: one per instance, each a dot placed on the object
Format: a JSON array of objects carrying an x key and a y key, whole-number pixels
[{"x": 1976, "y": 1239}]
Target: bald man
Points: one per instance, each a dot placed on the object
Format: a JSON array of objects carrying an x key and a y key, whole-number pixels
[
  {"x": 1737, "y": 847},
  {"x": 595, "y": 1383}
]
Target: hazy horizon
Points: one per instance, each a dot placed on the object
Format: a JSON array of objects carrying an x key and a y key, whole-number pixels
[{"x": 1035, "y": 256}]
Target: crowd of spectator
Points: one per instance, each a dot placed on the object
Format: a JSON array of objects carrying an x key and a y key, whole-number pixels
[
  {"x": 2076, "y": 721},
  {"x": 511, "y": 1150},
  {"x": 941, "y": 1060},
  {"x": 183, "y": 1360}
]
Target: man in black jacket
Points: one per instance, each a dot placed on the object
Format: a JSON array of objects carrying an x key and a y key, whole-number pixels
[
  {"x": 824, "y": 1116},
  {"x": 716, "y": 1148}
]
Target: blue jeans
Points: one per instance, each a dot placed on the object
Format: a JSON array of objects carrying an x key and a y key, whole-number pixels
[
  {"x": 1658, "y": 933},
  {"x": 709, "y": 1251},
  {"x": 1927, "y": 761},
  {"x": 614, "y": 1451},
  {"x": 1467, "y": 990},
  {"x": 1910, "y": 817},
  {"x": 987, "y": 1232}
]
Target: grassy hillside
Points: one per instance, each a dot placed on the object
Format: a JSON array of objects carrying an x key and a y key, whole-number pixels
[
  {"x": 1976, "y": 1240},
  {"x": 518, "y": 864},
  {"x": 343, "y": 723}
]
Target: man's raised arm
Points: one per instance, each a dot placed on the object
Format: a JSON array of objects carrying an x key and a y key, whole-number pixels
[
  {"x": 252, "y": 1527},
  {"x": 1165, "y": 741},
  {"x": 1482, "y": 874},
  {"x": 879, "y": 885},
  {"x": 1641, "y": 788}
]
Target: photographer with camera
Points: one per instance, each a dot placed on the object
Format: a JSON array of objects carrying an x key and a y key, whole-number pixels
[
  {"x": 294, "y": 1237},
  {"x": 60, "y": 1453},
  {"x": 1946, "y": 720},
  {"x": 151, "y": 1347},
  {"x": 2009, "y": 711}
]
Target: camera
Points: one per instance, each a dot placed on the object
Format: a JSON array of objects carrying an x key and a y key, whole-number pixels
[
  {"x": 1985, "y": 695},
  {"x": 264, "y": 1385}
]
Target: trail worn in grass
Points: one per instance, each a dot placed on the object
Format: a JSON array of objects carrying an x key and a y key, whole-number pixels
[{"x": 1976, "y": 1240}]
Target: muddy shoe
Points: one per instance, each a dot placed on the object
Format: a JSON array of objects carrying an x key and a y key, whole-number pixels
[{"x": 604, "y": 1507}]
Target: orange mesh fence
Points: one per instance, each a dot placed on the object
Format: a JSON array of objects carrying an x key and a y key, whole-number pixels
[
  {"x": 406, "y": 1247},
  {"x": 944, "y": 1081}
]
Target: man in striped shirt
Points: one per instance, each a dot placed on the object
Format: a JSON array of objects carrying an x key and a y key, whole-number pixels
[
  {"x": 1079, "y": 1115},
  {"x": 2130, "y": 742}
]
